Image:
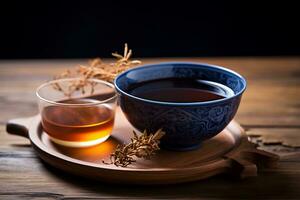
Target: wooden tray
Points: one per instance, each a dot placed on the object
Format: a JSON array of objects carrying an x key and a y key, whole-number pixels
[{"x": 228, "y": 152}]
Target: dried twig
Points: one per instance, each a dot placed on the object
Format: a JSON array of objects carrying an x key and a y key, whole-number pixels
[
  {"x": 96, "y": 69},
  {"x": 143, "y": 146}
]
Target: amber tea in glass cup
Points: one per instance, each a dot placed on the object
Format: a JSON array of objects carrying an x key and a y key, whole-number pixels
[{"x": 77, "y": 118}]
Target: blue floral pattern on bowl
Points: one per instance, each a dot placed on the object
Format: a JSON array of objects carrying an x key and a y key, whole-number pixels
[{"x": 186, "y": 124}]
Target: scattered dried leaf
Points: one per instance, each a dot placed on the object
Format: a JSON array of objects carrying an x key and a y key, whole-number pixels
[{"x": 143, "y": 146}]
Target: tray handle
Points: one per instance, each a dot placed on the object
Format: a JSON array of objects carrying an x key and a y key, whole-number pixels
[
  {"x": 19, "y": 126},
  {"x": 246, "y": 160}
]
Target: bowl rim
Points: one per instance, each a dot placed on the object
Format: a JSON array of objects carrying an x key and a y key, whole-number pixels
[{"x": 181, "y": 103}]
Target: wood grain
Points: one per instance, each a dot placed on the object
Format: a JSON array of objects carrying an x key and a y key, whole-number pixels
[{"x": 271, "y": 103}]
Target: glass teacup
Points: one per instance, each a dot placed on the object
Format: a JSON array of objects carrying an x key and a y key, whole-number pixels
[{"x": 77, "y": 116}]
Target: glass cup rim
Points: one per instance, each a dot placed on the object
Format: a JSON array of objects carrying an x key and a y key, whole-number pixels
[{"x": 75, "y": 104}]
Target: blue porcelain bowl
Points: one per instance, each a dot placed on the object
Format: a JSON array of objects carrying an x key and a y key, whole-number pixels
[{"x": 186, "y": 124}]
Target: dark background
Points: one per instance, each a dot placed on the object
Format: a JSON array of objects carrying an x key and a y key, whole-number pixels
[{"x": 70, "y": 29}]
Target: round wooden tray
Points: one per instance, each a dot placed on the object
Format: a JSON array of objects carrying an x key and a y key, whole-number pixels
[{"x": 228, "y": 152}]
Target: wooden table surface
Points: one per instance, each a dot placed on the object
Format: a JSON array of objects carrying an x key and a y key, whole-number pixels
[{"x": 270, "y": 104}]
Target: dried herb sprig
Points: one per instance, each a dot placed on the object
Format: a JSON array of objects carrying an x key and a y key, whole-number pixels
[
  {"x": 97, "y": 69},
  {"x": 143, "y": 146},
  {"x": 108, "y": 71}
]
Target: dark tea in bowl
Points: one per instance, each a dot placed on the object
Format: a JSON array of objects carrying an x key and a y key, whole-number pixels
[
  {"x": 180, "y": 90},
  {"x": 191, "y": 102},
  {"x": 77, "y": 119}
]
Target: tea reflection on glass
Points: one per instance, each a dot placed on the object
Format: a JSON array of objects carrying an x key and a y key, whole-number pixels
[{"x": 79, "y": 120}]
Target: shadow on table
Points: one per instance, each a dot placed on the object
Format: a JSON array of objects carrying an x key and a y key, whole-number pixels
[{"x": 268, "y": 185}]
